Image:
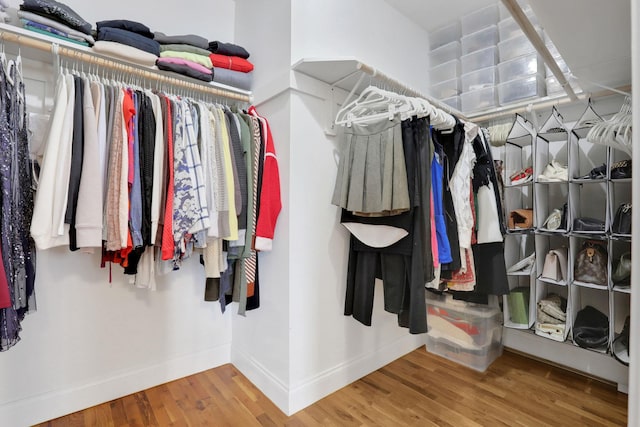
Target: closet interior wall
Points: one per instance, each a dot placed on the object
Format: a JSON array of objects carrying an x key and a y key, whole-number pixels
[{"x": 91, "y": 341}]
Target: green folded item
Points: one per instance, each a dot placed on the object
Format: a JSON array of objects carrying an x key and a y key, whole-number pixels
[{"x": 518, "y": 300}]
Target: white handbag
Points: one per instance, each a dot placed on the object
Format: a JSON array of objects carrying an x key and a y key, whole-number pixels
[
  {"x": 487, "y": 216},
  {"x": 555, "y": 265}
]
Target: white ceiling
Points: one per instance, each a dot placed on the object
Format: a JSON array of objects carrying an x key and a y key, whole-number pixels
[{"x": 593, "y": 36}]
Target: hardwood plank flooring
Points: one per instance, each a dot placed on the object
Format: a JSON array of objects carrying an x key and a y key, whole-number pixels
[{"x": 419, "y": 389}]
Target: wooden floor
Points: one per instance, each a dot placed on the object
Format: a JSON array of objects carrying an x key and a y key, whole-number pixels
[{"x": 419, "y": 389}]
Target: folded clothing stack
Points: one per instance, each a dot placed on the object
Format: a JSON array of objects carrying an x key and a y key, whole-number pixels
[
  {"x": 4, "y": 5},
  {"x": 186, "y": 55},
  {"x": 230, "y": 65},
  {"x": 128, "y": 40},
  {"x": 56, "y": 20}
]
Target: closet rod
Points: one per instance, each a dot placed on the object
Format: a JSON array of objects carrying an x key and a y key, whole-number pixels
[
  {"x": 527, "y": 28},
  {"x": 103, "y": 61},
  {"x": 542, "y": 104},
  {"x": 408, "y": 91}
]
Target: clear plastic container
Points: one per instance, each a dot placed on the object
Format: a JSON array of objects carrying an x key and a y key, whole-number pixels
[
  {"x": 553, "y": 86},
  {"x": 519, "y": 67},
  {"x": 521, "y": 89},
  {"x": 563, "y": 66},
  {"x": 479, "y": 59},
  {"x": 469, "y": 324},
  {"x": 478, "y": 99},
  {"x": 514, "y": 47},
  {"x": 446, "y": 53},
  {"x": 447, "y": 71},
  {"x": 478, "y": 79},
  {"x": 444, "y": 35},
  {"x": 477, "y": 358},
  {"x": 446, "y": 89},
  {"x": 479, "y": 19},
  {"x": 453, "y": 102},
  {"x": 508, "y": 27},
  {"x": 484, "y": 38}
]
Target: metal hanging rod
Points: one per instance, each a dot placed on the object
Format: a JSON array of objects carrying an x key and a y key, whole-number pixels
[{"x": 8, "y": 36}]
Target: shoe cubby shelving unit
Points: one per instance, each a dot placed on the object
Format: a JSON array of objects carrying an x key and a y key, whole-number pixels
[{"x": 585, "y": 197}]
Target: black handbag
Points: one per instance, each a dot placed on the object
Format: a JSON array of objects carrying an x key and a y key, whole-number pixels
[
  {"x": 588, "y": 224},
  {"x": 622, "y": 220},
  {"x": 591, "y": 328},
  {"x": 621, "y": 169}
]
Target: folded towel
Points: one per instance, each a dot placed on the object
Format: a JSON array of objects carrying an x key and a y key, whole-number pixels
[
  {"x": 57, "y": 11},
  {"x": 191, "y": 39},
  {"x": 234, "y": 63},
  {"x": 128, "y": 53},
  {"x": 233, "y": 78},
  {"x": 130, "y": 39},
  {"x": 34, "y": 17},
  {"x": 184, "y": 48},
  {"x": 185, "y": 70},
  {"x": 228, "y": 49},
  {"x": 198, "y": 59},
  {"x": 123, "y": 24}
]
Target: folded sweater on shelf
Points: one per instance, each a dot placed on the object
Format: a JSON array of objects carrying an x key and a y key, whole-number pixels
[
  {"x": 178, "y": 47},
  {"x": 130, "y": 39},
  {"x": 181, "y": 61},
  {"x": 128, "y": 53},
  {"x": 191, "y": 39},
  {"x": 198, "y": 59},
  {"x": 228, "y": 49},
  {"x": 233, "y": 78},
  {"x": 231, "y": 62},
  {"x": 124, "y": 24},
  {"x": 184, "y": 70},
  {"x": 55, "y": 34},
  {"x": 58, "y": 12},
  {"x": 34, "y": 17}
]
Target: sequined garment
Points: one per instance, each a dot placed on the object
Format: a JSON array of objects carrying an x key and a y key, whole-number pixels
[{"x": 16, "y": 203}]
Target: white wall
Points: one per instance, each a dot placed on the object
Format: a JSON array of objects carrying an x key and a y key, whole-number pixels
[
  {"x": 91, "y": 341},
  {"x": 213, "y": 20},
  {"x": 370, "y": 30}
]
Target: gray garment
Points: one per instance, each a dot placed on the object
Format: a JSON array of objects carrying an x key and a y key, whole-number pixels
[
  {"x": 372, "y": 174},
  {"x": 191, "y": 39},
  {"x": 239, "y": 154},
  {"x": 55, "y": 24},
  {"x": 233, "y": 78},
  {"x": 181, "y": 47}
]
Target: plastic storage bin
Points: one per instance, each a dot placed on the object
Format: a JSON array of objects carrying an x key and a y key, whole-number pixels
[
  {"x": 469, "y": 334},
  {"x": 484, "y": 38},
  {"x": 470, "y": 325},
  {"x": 514, "y": 47},
  {"x": 508, "y": 27},
  {"x": 446, "y": 89},
  {"x": 479, "y": 79},
  {"x": 519, "y": 67},
  {"x": 446, "y": 53},
  {"x": 453, "y": 102},
  {"x": 478, "y": 99},
  {"x": 447, "y": 71},
  {"x": 479, "y": 59},
  {"x": 479, "y": 19},
  {"x": 445, "y": 35},
  {"x": 478, "y": 359},
  {"x": 520, "y": 89}
]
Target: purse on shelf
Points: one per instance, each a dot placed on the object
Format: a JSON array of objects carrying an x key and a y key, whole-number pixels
[
  {"x": 622, "y": 220},
  {"x": 588, "y": 224},
  {"x": 622, "y": 273},
  {"x": 621, "y": 169},
  {"x": 591, "y": 264},
  {"x": 591, "y": 328},
  {"x": 555, "y": 264},
  {"x": 521, "y": 218}
]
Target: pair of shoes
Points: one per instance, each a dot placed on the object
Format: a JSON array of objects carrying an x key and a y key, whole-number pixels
[
  {"x": 596, "y": 173},
  {"x": 522, "y": 176},
  {"x": 554, "y": 172},
  {"x": 523, "y": 264},
  {"x": 621, "y": 169}
]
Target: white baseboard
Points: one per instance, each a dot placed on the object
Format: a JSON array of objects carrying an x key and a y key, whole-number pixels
[
  {"x": 262, "y": 378},
  {"x": 57, "y": 403},
  {"x": 315, "y": 388},
  {"x": 327, "y": 382}
]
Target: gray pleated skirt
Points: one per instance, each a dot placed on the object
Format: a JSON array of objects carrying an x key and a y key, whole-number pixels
[{"x": 372, "y": 174}]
